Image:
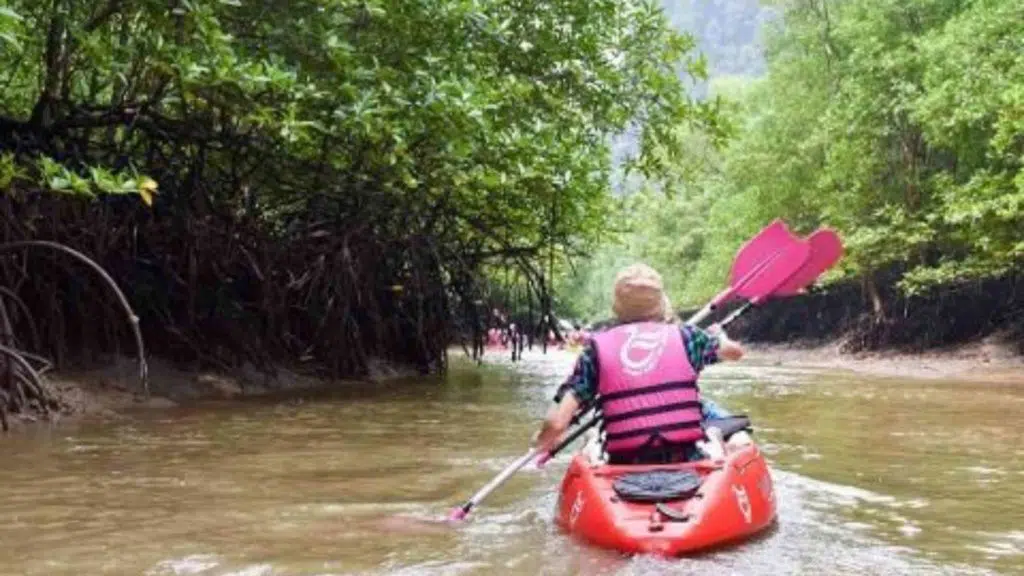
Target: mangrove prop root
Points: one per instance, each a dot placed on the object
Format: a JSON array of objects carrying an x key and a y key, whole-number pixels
[
  {"x": 329, "y": 291},
  {"x": 130, "y": 313},
  {"x": 5, "y": 400},
  {"x": 28, "y": 386},
  {"x": 25, "y": 315}
]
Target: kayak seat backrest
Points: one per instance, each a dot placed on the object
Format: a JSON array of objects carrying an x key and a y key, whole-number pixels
[{"x": 657, "y": 485}]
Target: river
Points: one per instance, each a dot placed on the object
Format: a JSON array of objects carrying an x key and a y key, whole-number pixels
[{"x": 873, "y": 476}]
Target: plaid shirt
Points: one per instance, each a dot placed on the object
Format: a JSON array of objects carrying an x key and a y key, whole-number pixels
[{"x": 701, "y": 349}]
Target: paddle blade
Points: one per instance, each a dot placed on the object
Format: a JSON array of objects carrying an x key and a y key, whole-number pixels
[
  {"x": 763, "y": 264},
  {"x": 826, "y": 250},
  {"x": 788, "y": 262},
  {"x": 769, "y": 241},
  {"x": 766, "y": 262}
]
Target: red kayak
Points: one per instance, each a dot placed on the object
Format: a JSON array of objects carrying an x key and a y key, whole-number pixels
[{"x": 668, "y": 510}]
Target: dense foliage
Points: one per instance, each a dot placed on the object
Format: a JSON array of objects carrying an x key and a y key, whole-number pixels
[
  {"x": 898, "y": 122},
  {"x": 321, "y": 180}
]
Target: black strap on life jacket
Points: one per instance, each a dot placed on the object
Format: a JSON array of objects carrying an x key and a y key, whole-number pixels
[
  {"x": 654, "y": 410},
  {"x": 667, "y": 386},
  {"x": 654, "y": 432}
]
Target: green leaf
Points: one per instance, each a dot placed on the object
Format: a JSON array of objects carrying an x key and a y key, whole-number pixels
[
  {"x": 10, "y": 39},
  {"x": 10, "y": 14}
]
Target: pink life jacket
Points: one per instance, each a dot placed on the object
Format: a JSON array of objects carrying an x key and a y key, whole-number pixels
[{"x": 647, "y": 387}]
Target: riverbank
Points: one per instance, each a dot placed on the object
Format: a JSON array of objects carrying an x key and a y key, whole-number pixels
[
  {"x": 988, "y": 360},
  {"x": 113, "y": 389}
]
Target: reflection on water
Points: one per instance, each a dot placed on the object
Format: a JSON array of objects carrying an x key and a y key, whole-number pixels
[{"x": 872, "y": 476}]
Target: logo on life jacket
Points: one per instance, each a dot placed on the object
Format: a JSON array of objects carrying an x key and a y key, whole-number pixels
[{"x": 642, "y": 350}]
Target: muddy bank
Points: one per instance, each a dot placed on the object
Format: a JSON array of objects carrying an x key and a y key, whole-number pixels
[
  {"x": 107, "y": 391},
  {"x": 874, "y": 315},
  {"x": 967, "y": 330},
  {"x": 990, "y": 360}
]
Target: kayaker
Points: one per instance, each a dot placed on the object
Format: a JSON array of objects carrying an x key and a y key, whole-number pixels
[{"x": 645, "y": 369}]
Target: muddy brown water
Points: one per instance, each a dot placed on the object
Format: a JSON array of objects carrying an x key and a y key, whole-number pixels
[{"x": 873, "y": 476}]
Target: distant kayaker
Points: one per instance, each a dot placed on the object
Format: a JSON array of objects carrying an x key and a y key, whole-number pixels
[{"x": 644, "y": 373}]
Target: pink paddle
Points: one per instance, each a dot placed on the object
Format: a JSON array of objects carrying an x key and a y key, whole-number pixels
[
  {"x": 762, "y": 265},
  {"x": 826, "y": 250}
]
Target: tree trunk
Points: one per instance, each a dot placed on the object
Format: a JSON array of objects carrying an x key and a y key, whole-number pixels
[{"x": 870, "y": 289}]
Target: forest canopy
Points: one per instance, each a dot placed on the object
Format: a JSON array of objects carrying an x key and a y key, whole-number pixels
[
  {"x": 898, "y": 122},
  {"x": 326, "y": 180}
]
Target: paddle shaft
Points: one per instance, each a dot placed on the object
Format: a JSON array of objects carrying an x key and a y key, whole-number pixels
[
  {"x": 737, "y": 313},
  {"x": 712, "y": 306},
  {"x": 461, "y": 512},
  {"x": 568, "y": 439}
]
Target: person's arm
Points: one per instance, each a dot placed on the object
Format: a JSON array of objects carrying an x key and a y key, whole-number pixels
[
  {"x": 557, "y": 422},
  {"x": 579, "y": 389},
  {"x": 711, "y": 346},
  {"x": 728, "y": 349}
]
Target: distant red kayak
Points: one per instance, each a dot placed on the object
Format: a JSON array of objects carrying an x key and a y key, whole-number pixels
[{"x": 668, "y": 510}]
